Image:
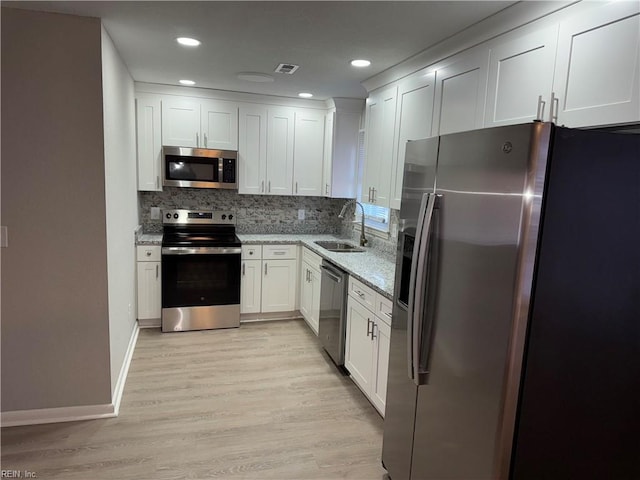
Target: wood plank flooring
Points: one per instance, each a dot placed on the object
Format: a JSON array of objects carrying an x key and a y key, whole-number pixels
[{"x": 260, "y": 402}]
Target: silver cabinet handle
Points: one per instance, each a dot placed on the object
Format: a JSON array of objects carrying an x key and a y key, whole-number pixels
[
  {"x": 279, "y": 253},
  {"x": 388, "y": 314},
  {"x": 373, "y": 331},
  {"x": 243, "y": 269},
  {"x": 157, "y": 268},
  {"x": 540, "y": 110},
  {"x": 265, "y": 269},
  {"x": 326, "y": 189},
  {"x": 269, "y": 186},
  {"x": 555, "y": 106},
  {"x": 197, "y": 140},
  {"x": 262, "y": 187},
  {"x": 205, "y": 140},
  {"x": 148, "y": 252},
  {"x": 308, "y": 275},
  {"x": 296, "y": 187},
  {"x": 369, "y": 331},
  {"x": 369, "y": 195},
  {"x": 157, "y": 181},
  {"x": 360, "y": 294},
  {"x": 373, "y": 197}
]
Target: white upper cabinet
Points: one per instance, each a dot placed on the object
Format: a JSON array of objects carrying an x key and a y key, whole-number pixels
[
  {"x": 308, "y": 152},
  {"x": 379, "y": 150},
  {"x": 252, "y": 149},
  {"x": 460, "y": 93},
  {"x": 280, "y": 128},
  {"x": 341, "y": 134},
  {"x": 192, "y": 122},
  {"x": 413, "y": 122},
  {"x": 219, "y": 124},
  {"x": 520, "y": 72},
  {"x": 597, "y": 78},
  {"x": 149, "y": 142}
]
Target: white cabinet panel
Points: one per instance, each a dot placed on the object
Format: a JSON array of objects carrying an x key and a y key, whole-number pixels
[
  {"x": 379, "y": 153},
  {"x": 251, "y": 286},
  {"x": 308, "y": 153},
  {"x": 280, "y": 151},
  {"x": 181, "y": 122},
  {"x": 460, "y": 93},
  {"x": 597, "y": 73},
  {"x": 252, "y": 149},
  {"x": 279, "y": 285},
  {"x": 382, "y": 341},
  {"x": 310, "y": 295},
  {"x": 149, "y": 142},
  {"x": 219, "y": 124},
  {"x": 413, "y": 122},
  {"x": 149, "y": 282},
  {"x": 358, "y": 345},
  {"x": 520, "y": 71}
]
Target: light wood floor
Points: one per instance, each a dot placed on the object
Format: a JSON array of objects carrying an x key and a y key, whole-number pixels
[{"x": 259, "y": 402}]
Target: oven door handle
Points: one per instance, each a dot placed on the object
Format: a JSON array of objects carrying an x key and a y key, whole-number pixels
[{"x": 201, "y": 250}]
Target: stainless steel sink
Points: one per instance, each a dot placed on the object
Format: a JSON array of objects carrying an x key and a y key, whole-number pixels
[{"x": 339, "y": 247}]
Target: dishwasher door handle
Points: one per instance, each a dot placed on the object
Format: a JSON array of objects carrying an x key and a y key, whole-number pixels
[{"x": 330, "y": 274}]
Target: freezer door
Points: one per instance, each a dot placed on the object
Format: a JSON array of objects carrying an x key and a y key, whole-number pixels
[
  {"x": 481, "y": 177},
  {"x": 419, "y": 180}
]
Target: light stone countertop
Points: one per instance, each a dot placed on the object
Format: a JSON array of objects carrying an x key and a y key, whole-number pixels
[
  {"x": 149, "y": 239},
  {"x": 370, "y": 267}
]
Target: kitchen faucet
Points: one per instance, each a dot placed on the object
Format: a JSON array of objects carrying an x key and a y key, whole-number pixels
[{"x": 363, "y": 239}]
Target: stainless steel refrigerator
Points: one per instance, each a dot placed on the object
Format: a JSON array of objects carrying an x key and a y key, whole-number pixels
[{"x": 515, "y": 343}]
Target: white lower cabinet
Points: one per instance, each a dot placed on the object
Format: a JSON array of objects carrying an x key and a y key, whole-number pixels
[
  {"x": 149, "y": 282},
  {"x": 310, "y": 289},
  {"x": 367, "y": 342},
  {"x": 269, "y": 275}
]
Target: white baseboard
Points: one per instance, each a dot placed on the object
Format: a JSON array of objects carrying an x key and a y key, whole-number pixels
[
  {"x": 55, "y": 415},
  {"x": 122, "y": 378},
  {"x": 82, "y": 412},
  {"x": 267, "y": 317}
]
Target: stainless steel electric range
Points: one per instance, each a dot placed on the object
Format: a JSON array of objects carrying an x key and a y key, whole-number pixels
[{"x": 200, "y": 270}]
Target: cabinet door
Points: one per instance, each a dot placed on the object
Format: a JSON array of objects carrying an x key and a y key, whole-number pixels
[
  {"x": 329, "y": 122},
  {"x": 314, "y": 314},
  {"x": 219, "y": 125},
  {"x": 149, "y": 142},
  {"x": 149, "y": 290},
  {"x": 310, "y": 295},
  {"x": 597, "y": 70},
  {"x": 280, "y": 130},
  {"x": 381, "y": 118},
  {"x": 181, "y": 122},
  {"x": 252, "y": 149},
  {"x": 308, "y": 152},
  {"x": 382, "y": 334},
  {"x": 279, "y": 285},
  {"x": 251, "y": 286},
  {"x": 520, "y": 71},
  {"x": 413, "y": 122},
  {"x": 460, "y": 93},
  {"x": 358, "y": 346}
]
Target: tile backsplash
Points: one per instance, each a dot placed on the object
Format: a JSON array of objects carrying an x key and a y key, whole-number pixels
[{"x": 254, "y": 213}]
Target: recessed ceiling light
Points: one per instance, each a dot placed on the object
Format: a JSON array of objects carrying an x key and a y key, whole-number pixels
[
  {"x": 360, "y": 63},
  {"x": 305, "y": 95},
  {"x": 187, "y": 82},
  {"x": 188, "y": 42},
  {"x": 255, "y": 77}
]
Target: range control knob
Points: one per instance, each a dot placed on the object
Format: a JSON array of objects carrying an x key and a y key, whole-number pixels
[
  {"x": 175, "y": 215},
  {"x": 224, "y": 217},
  {"x": 168, "y": 215},
  {"x": 230, "y": 217}
]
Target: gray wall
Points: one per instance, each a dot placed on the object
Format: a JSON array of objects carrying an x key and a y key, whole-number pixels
[
  {"x": 121, "y": 200},
  {"x": 55, "y": 327}
]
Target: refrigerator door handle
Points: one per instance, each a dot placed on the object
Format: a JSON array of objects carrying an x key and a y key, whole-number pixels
[{"x": 419, "y": 284}]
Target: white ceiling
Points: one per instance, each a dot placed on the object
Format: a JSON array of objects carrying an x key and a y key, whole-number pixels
[{"x": 322, "y": 37}]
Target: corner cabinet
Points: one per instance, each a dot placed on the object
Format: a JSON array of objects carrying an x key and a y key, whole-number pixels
[
  {"x": 149, "y": 283},
  {"x": 367, "y": 341},
  {"x": 148, "y": 142},
  {"x": 308, "y": 153},
  {"x": 310, "y": 288},
  {"x": 379, "y": 143}
]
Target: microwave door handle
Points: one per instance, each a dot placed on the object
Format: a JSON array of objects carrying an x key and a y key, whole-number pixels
[{"x": 412, "y": 281}]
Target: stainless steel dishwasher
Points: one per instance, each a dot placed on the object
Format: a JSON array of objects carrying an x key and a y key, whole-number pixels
[{"x": 333, "y": 311}]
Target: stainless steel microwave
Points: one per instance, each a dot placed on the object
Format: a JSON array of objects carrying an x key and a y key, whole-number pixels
[{"x": 199, "y": 168}]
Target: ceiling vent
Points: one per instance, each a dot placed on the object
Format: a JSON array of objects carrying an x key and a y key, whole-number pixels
[{"x": 287, "y": 68}]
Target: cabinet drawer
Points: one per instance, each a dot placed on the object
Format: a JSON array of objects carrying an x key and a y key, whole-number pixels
[
  {"x": 362, "y": 293},
  {"x": 251, "y": 252},
  {"x": 384, "y": 308},
  {"x": 279, "y": 251},
  {"x": 148, "y": 253},
  {"x": 311, "y": 258}
]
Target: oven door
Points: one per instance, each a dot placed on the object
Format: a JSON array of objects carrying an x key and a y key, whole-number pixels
[{"x": 200, "y": 288}]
